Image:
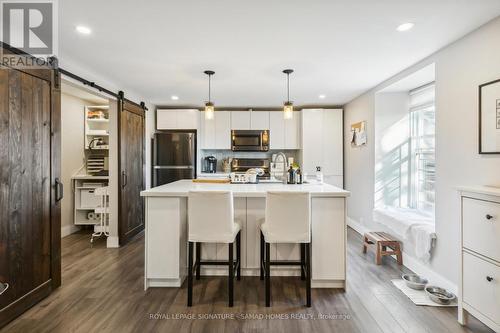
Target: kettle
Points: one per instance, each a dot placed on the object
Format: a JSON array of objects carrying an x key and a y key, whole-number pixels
[{"x": 210, "y": 164}]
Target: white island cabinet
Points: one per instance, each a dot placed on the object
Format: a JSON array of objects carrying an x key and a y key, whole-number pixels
[{"x": 167, "y": 223}]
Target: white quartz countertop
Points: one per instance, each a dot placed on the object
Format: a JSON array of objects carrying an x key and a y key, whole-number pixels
[{"x": 181, "y": 188}]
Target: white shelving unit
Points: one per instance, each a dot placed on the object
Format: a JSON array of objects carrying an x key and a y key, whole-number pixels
[
  {"x": 84, "y": 203},
  {"x": 98, "y": 126}
]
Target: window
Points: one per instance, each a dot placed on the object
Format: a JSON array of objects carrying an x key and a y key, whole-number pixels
[{"x": 422, "y": 147}]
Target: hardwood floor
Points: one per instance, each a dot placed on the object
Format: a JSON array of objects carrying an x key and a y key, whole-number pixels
[{"x": 102, "y": 291}]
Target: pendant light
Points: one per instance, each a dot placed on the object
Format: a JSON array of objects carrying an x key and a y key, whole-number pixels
[
  {"x": 209, "y": 106},
  {"x": 288, "y": 105}
]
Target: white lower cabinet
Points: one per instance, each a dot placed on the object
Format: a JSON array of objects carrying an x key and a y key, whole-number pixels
[
  {"x": 479, "y": 286},
  {"x": 167, "y": 233},
  {"x": 328, "y": 237}
]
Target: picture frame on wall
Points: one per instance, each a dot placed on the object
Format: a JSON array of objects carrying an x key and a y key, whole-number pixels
[{"x": 489, "y": 117}]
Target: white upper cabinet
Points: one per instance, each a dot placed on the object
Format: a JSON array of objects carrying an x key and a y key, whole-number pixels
[
  {"x": 292, "y": 131},
  {"x": 246, "y": 120},
  {"x": 188, "y": 119},
  {"x": 207, "y": 132},
  {"x": 259, "y": 120},
  {"x": 177, "y": 119},
  {"x": 166, "y": 119},
  {"x": 216, "y": 133},
  {"x": 312, "y": 134},
  {"x": 322, "y": 141},
  {"x": 240, "y": 120},
  {"x": 222, "y": 129},
  {"x": 333, "y": 145},
  {"x": 276, "y": 130},
  {"x": 284, "y": 133}
]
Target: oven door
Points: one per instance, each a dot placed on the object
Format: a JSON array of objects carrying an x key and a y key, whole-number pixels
[{"x": 249, "y": 140}]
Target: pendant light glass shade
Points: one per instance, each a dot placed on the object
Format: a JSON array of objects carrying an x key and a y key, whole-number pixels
[
  {"x": 209, "y": 106},
  {"x": 209, "y": 110},
  {"x": 288, "y": 110},
  {"x": 288, "y": 105}
]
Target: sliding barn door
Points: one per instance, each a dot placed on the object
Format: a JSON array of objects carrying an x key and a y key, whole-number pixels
[
  {"x": 30, "y": 263},
  {"x": 131, "y": 143}
]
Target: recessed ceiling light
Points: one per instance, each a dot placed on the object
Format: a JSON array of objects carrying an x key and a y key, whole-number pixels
[
  {"x": 322, "y": 96},
  {"x": 83, "y": 29},
  {"x": 405, "y": 26},
  {"x": 174, "y": 98}
]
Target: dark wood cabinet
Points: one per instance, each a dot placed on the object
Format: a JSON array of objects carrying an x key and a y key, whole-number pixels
[
  {"x": 131, "y": 148},
  {"x": 29, "y": 197}
]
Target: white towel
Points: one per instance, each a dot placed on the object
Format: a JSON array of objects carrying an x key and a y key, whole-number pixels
[{"x": 422, "y": 236}]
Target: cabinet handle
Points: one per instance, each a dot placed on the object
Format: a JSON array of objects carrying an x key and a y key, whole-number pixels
[
  {"x": 489, "y": 217},
  {"x": 3, "y": 287},
  {"x": 489, "y": 278}
]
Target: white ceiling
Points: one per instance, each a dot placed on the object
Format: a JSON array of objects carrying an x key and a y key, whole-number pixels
[{"x": 339, "y": 48}]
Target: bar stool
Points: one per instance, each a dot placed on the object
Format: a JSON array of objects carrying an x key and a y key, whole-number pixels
[
  {"x": 288, "y": 220},
  {"x": 211, "y": 220}
]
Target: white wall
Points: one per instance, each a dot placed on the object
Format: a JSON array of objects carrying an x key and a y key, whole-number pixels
[
  {"x": 73, "y": 154},
  {"x": 391, "y": 148},
  {"x": 460, "y": 68}
]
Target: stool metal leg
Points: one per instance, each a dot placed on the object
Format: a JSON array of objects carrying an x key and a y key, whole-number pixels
[
  {"x": 308, "y": 274},
  {"x": 190, "y": 274},
  {"x": 231, "y": 274},
  {"x": 268, "y": 274},
  {"x": 198, "y": 259},
  {"x": 302, "y": 261},
  {"x": 261, "y": 256},
  {"x": 238, "y": 255}
]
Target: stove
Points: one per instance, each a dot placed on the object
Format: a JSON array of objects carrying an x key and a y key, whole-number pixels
[{"x": 241, "y": 165}]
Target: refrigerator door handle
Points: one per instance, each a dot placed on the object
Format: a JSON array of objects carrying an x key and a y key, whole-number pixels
[{"x": 173, "y": 167}]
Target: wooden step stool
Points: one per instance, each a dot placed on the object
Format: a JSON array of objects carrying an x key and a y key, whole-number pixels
[{"x": 382, "y": 241}]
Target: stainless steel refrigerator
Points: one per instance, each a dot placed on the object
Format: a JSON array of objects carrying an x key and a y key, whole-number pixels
[{"x": 174, "y": 156}]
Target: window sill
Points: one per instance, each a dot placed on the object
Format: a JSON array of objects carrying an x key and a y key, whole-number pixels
[{"x": 400, "y": 220}]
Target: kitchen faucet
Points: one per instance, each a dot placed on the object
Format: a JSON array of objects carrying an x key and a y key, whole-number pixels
[{"x": 284, "y": 179}]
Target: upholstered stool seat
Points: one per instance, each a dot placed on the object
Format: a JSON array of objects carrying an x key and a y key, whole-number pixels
[
  {"x": 211, "y": 220},
  {"x": 288, "y": 220}
]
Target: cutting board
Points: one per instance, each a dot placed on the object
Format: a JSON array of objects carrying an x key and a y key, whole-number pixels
[{"x": 212, "y": 181}]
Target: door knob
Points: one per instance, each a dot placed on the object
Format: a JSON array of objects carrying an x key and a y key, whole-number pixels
[
  {"x": 489, "y": 217},
  {"x": 3, "y": 287},
  {"x": 489, "y": 278}
]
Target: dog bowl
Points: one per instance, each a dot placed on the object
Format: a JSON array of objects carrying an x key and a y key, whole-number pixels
[
  {"x": 415, "y": 281},
  {"x": 439, "y": 295}
]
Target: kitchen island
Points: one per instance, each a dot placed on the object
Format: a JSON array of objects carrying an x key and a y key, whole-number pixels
[{"x": 166, "y": 233}]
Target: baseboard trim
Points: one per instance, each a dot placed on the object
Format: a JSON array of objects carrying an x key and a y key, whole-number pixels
[
  {"x": 68, "y": 230},
  {"x": 112, "y": 242},
  {"x": 412, "y": 263}
]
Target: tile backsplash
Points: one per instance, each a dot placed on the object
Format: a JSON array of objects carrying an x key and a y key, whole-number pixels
[{"x": 222, "y": 154}]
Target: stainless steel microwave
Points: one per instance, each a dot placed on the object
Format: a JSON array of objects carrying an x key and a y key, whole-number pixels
[{"x": 250, "y": 140}]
